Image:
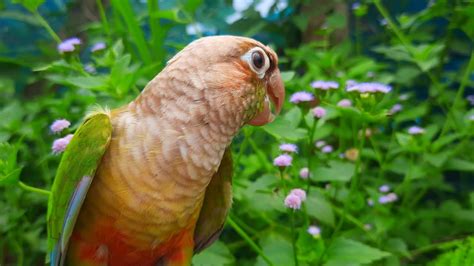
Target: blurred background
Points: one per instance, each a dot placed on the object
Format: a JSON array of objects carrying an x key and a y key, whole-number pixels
[{"x": 392, "y": 184}]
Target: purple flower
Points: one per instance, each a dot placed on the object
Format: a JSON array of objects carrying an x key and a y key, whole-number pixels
[
  {"x": 355, "y": 5},
  {"x": 301, "y": 96},
  {"x": 470, "y": 98},
  {"x": 327, "y": 149},
  {"x": 370, "y": 74},
  {"x": 89, "y": 68},
  {"x": 59, "y": 125},
  {"x": 59, "y": 145},
  {"x": 415, "y": 130},
  {"x": 370, "y": 202},
  {"x": 299, "y": 193},
  {"x": 314, "y": 230},
  {"x": 344, "y": 103},
  {"x": 383, "y": 22},
  {"x": 304, "y": 173},
  {"x": 384, "y": 188},
  {"x": 98, "y": 46},
  {"x": 390, "y": 197},
  {"x": 68, "y": 45},
  {"x": 289, "y": 147},
  {"x": 283, "y": 160},
  {"x": 350, "y": 83},
  {"x": 320, "y": 143},
  {"x": 370, "y": 87},
  {"x": 319, "y": 112},
  {"x": 395, "y": 109},
  {"x": 324, "y": 85},
  {"x": 293, "y": 202}
]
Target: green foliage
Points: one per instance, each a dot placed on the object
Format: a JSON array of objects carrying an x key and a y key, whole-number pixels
[{"x": 426, "y": 56}]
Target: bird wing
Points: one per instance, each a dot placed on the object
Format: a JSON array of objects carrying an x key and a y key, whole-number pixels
[
  {"x": 216, "y": 205},
  {"x": 73, "y": 178}
]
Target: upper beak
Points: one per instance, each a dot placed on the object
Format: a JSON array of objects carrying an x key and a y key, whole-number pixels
[{"x": 276, "y": 94}]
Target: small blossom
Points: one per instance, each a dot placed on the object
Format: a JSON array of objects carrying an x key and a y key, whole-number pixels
[
  {"x": 293, "y": 202},
  {"x": 383, "y": 22},
  {"x": 314, "y": 231},
  {"x": 352, "y": 154},
  {"x": 370, "y": 202},
  {"x": 98, "y": 46},
  {"x": 324, "y": 85},
  {"x": 301, "y": 96},
  {"x": 370, "y": 87},
  {"x": 395, "y": 109},
  {"x": 289, "y": 147},
  {"x": 391, "y": 197},
  {"x": 327, "y": 149},
  {"x": 370, "y": 74},
  {"x": 368, "y": 227},
  {"x": 344, "y": 103},
  {"x": 319, "y": 112},
  {"x": 283, "y": 160},
  {"x": 68, "y": 45},
  {"x": 304, "y": 173},
  {"x": 470, "y": 99},
  {"x": 59, "y": 145},
  {"x": 404, "y": 97},
  {"x": 59, "y": 125},
  {"x": 384, "y": 188},
  {"x": 299, "y": 193},
  {"x": 355, "y": 5},
  {"x": 350, "y": 83},
  {"x": 320, "y": 143},
  {"x": 90, "y": 68},
  {"x": 415, "y": 130}
]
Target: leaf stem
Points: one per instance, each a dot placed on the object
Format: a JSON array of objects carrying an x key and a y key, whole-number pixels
[
  {"x": 46, "y": 25},
  {"x": 34, "y": 189},
  {"x": 249, "y": 240},
  {"x": 293, "y": 237}
]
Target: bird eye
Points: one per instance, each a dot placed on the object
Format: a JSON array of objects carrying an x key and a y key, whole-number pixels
[{"x": 258, "y": 60}]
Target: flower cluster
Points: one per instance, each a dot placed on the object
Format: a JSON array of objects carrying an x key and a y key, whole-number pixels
[
  {"x": 59, "y": 145},
  {"x": 59, "y": 125},
  {"x": 294, "y": 199},
  {"x": 314, "y": 231},
  {"x": 283, "y": 160},
  {"x": 69, "y": 45},
  {"x": 324, "y": 85},
  {"x": 369, "y": 87},
  {"x": 301, "y": 96}
]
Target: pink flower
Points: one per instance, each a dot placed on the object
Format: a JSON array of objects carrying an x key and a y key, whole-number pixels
[
  {"x": 98, "y": 46},
  {"x": 320, "y": 143},
  {"x": 415, "y": 130},
  {"x": 289, "y": 147},
  {"x": 293, "y": 202},
  {"x": 319, "y": 112},
  {"x": 283, "y": 160},
  {"x": 395, "y": 109},
  {"x": 68, "y": 45},
  {"x": 59, "y": 145},
  {"x": 304, "y": 173},
  {"x": 59, "y": 125},
  {"x": 384, "y": 188},
  {"x": 301, "y": 96},
  {"x": 299, "y": 193},
  {"x": 390, "y": 197},
  {"x": 327, "y": 149},
  {"x": 324, "y": 85},
  {"x": 314, "y": 230},
  {"x": 344, "y": 103}
]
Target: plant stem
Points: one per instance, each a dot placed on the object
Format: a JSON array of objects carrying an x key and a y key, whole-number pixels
[
  {"x": 33, "y": 189},
  {"x": 103, "y": 17},
  {"x": 293, "y": 237},
  {"x": 46, "y": 25},
  {"x": 439, "y": 245},
  {"x": 249, "y": 240},
  {"x": 310, "y": 153}
]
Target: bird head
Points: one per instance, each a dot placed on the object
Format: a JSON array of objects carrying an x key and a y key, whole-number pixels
[{"x": 238, "y": 75}]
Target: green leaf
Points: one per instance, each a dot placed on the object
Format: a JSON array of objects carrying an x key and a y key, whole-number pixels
[
  {"x": 335, "y": 171},
  {"x": 278, "y": 249},
  {"x": 459, "y": 165},
  {"x": 319, "y": 208},
  {"x": 462, "y": 255},
  {"x": 286, "y": 126},
  {"x": 9, "y": 171},
  {"x": 412, "y": 113},
  {"x": 287, "y": 75},
  {"x": 31, "y": 5},
  {"x": 91, "y": 82},
  {"x": 349, "y": 252},
  {"x": 216, "y": 254}
]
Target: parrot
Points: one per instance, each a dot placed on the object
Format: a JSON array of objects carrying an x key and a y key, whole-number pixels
[{"x": 150, "y": 182}]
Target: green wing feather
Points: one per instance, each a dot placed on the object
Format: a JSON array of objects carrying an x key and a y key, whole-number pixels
[
  {"x": 81, "y": 159},
  {"x": 216, "y": 205}
]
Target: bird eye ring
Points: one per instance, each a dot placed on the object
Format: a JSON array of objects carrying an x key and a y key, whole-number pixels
[{"x": 257, "y": 60}]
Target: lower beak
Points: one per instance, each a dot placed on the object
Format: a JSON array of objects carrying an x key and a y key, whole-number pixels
[{"x": 275, "y": 94}]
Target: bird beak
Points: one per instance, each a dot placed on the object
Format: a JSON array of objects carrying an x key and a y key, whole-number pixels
[{"x": 275, "y": 94}]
